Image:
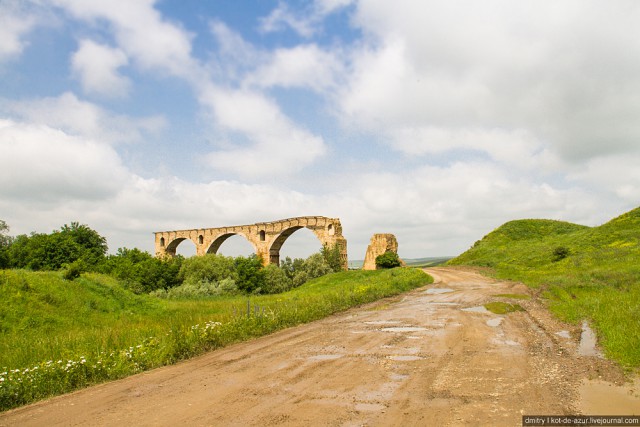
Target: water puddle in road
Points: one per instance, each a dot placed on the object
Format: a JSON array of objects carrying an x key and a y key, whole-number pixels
[
  {"x": 442, "y": 303},
  {"x": 588, "y": 342},
  {"x": 382, "y": 322},
  {"x": 599, "y": 397},
  {"x": 398, "y": 377},
  {"x": 435, "y": 291},
  {"x": 406, "y": 358},
  {"x": 478, "y": 309},
  {"x": 494, "y": 322},
  {"x": 326, "y": 357},
  {"x": 404, "y": 329},
  {"x": 563, "y": 334}
]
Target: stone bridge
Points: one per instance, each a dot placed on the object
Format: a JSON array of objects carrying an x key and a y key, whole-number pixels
[{"x": 266, "y": 237}]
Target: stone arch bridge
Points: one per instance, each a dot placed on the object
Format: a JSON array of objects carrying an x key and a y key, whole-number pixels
[{"x": 266, "y": 237}]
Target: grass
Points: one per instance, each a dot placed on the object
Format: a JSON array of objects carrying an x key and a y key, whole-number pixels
[
  {"x": 57, "y": 335},
  {"x": 590, "y": 273},
  {"x": 513, "y": 296},
  {"x": 498, "y": 307}
]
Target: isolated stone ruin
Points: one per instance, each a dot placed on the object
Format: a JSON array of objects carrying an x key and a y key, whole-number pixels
[{"x": 380, "y": 243}]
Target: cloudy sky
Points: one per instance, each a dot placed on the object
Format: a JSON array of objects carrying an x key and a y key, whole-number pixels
[{"x": 433, "y": 120}]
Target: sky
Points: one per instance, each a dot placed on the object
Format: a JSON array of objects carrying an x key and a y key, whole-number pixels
[{"x": 436, "y": 121}]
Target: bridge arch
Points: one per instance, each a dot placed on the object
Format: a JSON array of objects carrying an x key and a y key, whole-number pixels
[
  {"x": 267, "y": 238},
  {"x": 214, "y": 247}
]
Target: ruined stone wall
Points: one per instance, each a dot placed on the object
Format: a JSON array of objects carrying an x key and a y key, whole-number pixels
[{"x": 380, "y": 243}]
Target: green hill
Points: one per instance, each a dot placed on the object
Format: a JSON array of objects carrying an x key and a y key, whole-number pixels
[{"x": 590, "y": 273}]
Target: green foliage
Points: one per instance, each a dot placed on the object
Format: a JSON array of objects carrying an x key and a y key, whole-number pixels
[
  {"x": 250, "y": 274},
  {"x": 93, "y": 329},
  {"x": 52, "y": 251},
  {"x": 74, "y": 270},
  {"x": 141, "y": 272},
  {"x": 560, "y": 253},
  {"x": 5, "y": 242},
  {"x": 388, "y": 259},
  {"x": 332, "y": 257},
  {"x": 276, "y": 280},
  {"x": 209, "y": 268},
  {"x": 195, "y": 290},
  {"x": 586, "y": 273}
]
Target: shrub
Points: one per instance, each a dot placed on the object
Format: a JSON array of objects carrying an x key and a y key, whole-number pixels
[
  {"x": 74, "y": 270},
  {"x": 250, "y": 275},
  {"x": 207, "y": 268},
  {"x": 388, "y": 259},
  {"x": 275, "y": 280},
  {"x": 332, "y": 257},
  {"x": 201, "y": 289},
  {"x": 560, "y": 253}
]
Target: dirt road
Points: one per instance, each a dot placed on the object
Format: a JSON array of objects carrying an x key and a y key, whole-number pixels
[{"x": 428, "y": 357}]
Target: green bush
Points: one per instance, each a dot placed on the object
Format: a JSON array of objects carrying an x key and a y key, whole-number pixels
[
  {"x": 388, "y": 259},
  {"x": 197, "y": 290},
  {"x": 560, "y": 253},
  {"x": 275, "y": 280},
  {"x": 74, "y": 270}
]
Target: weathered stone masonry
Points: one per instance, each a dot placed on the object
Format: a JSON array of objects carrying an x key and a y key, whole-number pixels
[{"x": 266, "y": 237}]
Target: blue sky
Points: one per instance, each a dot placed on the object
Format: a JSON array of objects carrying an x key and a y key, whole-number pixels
[{"x": 433, "y": 120}]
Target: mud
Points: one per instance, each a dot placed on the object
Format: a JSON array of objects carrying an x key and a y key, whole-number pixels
[{"x": 417, "y": 359}]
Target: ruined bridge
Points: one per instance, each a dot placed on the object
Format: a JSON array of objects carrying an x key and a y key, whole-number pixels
[{"x": 266, "y": 237}]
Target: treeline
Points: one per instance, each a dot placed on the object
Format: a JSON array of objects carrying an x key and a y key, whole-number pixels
[{"x": 77, "y": 248}]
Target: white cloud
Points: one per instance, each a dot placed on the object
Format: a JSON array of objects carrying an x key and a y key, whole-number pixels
[
  {"x": 301, "y": 66},
  {"x": 15, "y": 23},
  {"x": 561, "y": 71},
  {"x": 82, "y": 118},
  {"x": 42, "y": 164},
  {"x": 278, "y": 146},
  {"x": 97, "y": 67},
  {"x": 282, "y": 17},
  {"x": 142, "y": 33}
]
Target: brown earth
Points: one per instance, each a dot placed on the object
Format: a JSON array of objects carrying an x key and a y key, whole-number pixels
[{"x": 416, "y": 359}]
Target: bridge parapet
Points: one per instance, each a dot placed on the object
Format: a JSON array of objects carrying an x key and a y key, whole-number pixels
[{"x": 266, "y": 238}]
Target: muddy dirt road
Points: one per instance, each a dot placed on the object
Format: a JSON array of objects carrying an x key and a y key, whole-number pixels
[{"x": 428, "y": 357}]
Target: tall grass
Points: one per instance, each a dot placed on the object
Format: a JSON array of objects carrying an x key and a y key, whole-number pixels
[{"x": 57, "y": 336}]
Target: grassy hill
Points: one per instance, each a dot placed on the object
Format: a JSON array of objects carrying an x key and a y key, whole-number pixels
[{"x": 590, "y": 273}]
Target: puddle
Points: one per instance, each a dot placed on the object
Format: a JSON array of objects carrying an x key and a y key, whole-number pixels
[
  {"x": 382, "y": 322},
  {"x": 494, "y": 322},
  {"x": 604, "y": 398},
  {"x": 443, "y": 303},
  {"x": 404, "y": 329},
  {"x": 563, "y": 334},
  {"x": 406, "y": 358},
  {"x": 398, "y": 377},
  {"x": 435, "y": 291},
  {"x": 588, "y": 342},
  {"x": 325, "y": 357},
  {"x": 478, "y": 309}
]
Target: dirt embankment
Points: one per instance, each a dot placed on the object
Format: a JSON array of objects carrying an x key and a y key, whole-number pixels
[{"x": 428, "y": 357}]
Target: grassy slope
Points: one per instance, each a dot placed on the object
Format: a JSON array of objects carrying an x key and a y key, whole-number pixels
[
  {"x": 92, "y": 329},
  {"x": 599, "y": 280}
]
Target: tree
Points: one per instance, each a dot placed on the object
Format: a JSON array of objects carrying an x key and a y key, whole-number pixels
[
  {"x": 250, "y": 274},
  {"x": 332, "y": 256},
  {"x": 5, "y": 242},
  {"x": 53, "y": 251},
  {"x": 388, "y": 259}
]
